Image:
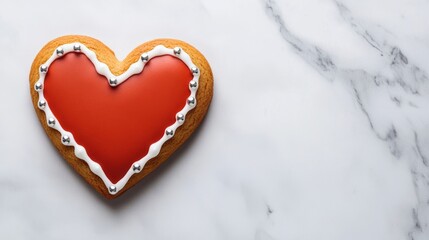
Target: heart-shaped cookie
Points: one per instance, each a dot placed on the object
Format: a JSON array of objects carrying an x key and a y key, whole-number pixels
[{"x": 114, "y": 121}]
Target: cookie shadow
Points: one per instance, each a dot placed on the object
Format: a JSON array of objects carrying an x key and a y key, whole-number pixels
[
  {"x": 151, "y": 180},
  {"x": 138, "y": 191}
]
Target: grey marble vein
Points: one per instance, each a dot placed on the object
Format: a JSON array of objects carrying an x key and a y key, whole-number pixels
[{"x": 409, "y": 84}]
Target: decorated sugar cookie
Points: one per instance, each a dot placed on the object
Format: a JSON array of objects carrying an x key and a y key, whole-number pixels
[{"x": 115, "y": 122}]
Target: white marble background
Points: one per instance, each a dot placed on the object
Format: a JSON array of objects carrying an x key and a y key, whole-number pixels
[{"x": 319, "y": 127}]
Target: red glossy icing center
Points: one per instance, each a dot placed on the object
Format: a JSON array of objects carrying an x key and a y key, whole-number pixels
[{"x": 116, "y": 125}]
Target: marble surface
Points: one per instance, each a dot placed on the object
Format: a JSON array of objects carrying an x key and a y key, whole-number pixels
[{"x": 319, "y": 126}]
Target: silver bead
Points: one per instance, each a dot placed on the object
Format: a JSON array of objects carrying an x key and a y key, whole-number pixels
[
  {"x": 180, "y": 118},
  {"x": 144, "y": 57},
  {"x": 43, "y": 68},
  {"x": 193, "y": 84},
  {"x": 76, "y": 47},
  {"x": 177, "y": 51},
  {"x": 195, "y": 70},
  {"x": 51, "y": 122},
  {"x": 113, "y": 82},
  {"x": 38, "y": 86},
  {"x": 191, "y": 101},
  {"x": 65, "y": 139},
  {"x": 112, "y": 189},
  {"x": 60, "y": 51},
  {"x": 42, "y": 104},
  {"x": 169, "y": 132},
  {"x": 136, "y": 167}
]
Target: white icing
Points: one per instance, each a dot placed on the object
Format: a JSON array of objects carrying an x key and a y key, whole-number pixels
[{"x": 104, "y": 70}]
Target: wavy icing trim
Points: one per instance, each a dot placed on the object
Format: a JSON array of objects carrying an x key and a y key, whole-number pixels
[{"x": 104, "y": 70}]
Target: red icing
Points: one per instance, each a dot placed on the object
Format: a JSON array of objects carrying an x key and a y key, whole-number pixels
[{"x": 116, "y": 125}]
